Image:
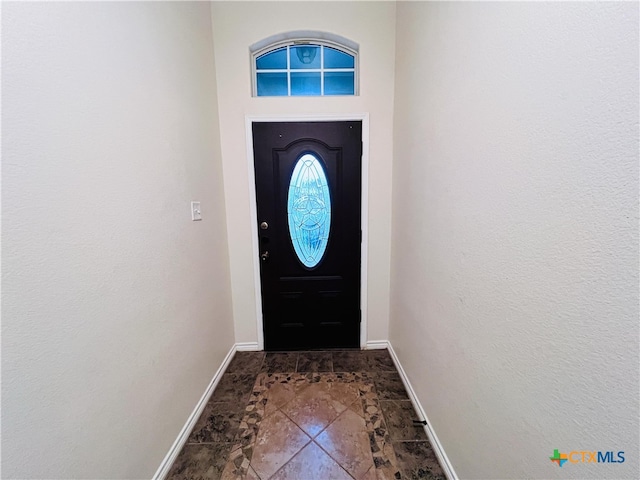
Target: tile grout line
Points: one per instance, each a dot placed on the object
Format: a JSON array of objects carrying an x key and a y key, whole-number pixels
[
  {"x": 331, "y": 457},
  {"x": 329, "y": 454},
  {"x": 313, "y": 439},
  {"x": 438, "y": 449},
  {"x": 294, "y": 455},
  {"x": 293, "y": 421},
  {"x": 246, "y": 403},
  {"x": 359, "y": 399},
  {"x": 386, "y": 421},
  {"x": 254, "y": 471},
  {"x": 258, "y": 424},
  {"x": 386, "y": 424},
  {"x": 173, "y": 454},
  {"x": 386, "y": 427},
  {"x": 264, "y": 359},
  {"x": 278, "y": 409}
]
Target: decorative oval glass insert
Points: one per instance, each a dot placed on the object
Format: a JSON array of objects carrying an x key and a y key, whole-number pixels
[{"x": 309, "y": 210}]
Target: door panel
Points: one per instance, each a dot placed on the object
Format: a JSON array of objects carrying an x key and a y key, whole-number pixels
[{"x": 317, "y": 306}]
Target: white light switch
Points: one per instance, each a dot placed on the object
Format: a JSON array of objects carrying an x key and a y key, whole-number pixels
[{"x": 196, "y": 214}]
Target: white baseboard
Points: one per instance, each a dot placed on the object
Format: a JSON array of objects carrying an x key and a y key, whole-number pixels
[
  {"x": 433, "y": 438},
  {"x": 247, "y": 347},
  {"x": 376, "y": 345},
  {"x": 175, "y": 449}
]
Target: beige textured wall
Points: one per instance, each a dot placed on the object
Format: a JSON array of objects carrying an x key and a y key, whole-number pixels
[
  {"x": 116, "y": 307},
  {"x": 514, "y": 305}
]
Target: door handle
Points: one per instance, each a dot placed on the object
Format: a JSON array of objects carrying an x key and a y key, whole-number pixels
[{"x": 264, "y": 256}]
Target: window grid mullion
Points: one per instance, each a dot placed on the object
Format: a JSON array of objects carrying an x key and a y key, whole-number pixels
[
  {"x": 322, "y": 71},
  {"x": 288, "y": 72},
  {"x": 304, "y": 70}
]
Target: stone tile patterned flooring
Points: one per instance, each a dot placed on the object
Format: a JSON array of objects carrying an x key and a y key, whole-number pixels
[{"x": 321, "y": 415}]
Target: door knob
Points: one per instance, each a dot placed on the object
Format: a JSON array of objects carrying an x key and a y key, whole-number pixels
[{"x": 264, "y": 255}]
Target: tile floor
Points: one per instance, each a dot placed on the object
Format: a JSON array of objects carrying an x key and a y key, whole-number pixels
[{"x": 308, "y": 416}]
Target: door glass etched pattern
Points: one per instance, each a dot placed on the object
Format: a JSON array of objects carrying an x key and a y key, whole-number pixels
[{"x": 309, "y": 210}]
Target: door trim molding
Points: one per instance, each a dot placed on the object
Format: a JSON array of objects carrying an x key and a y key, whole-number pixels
[{"x": 364, "y": 212}]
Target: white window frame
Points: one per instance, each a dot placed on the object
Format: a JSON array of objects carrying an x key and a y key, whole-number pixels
[{"x": 290, "y": 39}]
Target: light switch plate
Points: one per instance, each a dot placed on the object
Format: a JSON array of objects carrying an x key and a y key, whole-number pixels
[{"x": 196, "y": 213}]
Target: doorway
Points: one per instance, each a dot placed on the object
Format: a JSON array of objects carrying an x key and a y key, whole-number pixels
[{"x": 308, "y": 178}]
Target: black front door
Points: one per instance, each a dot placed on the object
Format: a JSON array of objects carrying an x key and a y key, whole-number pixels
[{"x": 308, "y": 185}]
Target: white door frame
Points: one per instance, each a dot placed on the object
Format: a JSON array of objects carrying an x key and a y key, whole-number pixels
[{"x": 364, "y": 214}]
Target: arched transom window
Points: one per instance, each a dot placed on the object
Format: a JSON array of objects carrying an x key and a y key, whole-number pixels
[{"x": 304, "y": 64}]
